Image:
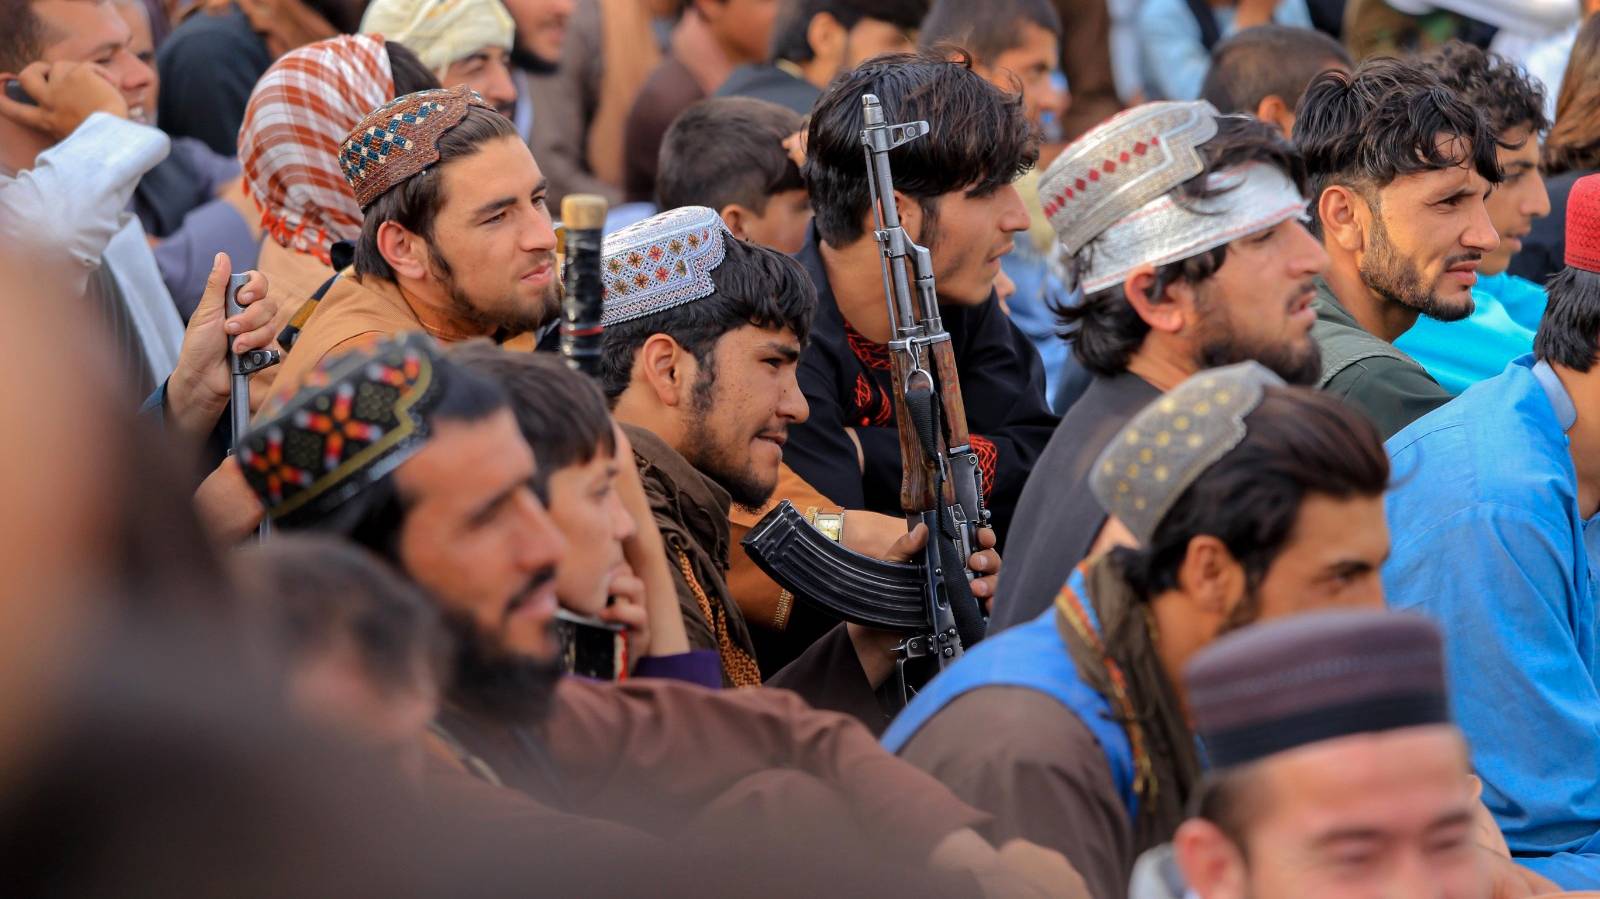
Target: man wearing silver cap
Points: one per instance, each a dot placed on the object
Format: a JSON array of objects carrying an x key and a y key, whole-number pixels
[
  {"x": 1184, "y": 231},
  {"x": 1251, "y": 500}
]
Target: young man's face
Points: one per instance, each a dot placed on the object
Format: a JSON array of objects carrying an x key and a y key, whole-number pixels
[
  {"x": 487, "y": 71},
  {"x": 1517, "y": 200},
  {"x": 1331, "y": 560},
  {"x": 494, "y": 238},
  {"x": 541, "y": 26},
  {"x": 95, "y": 32},
  {"x": 743, "y": 28},
  {"x": 1027, "y": 67},
  {"x": 782, "y": 225},
  {"x": 476, "y": 536},
  {"x": 739, "y": 416},
  {"x": 586, "y": 508},
  {"x": 1386, "y": 814},
  {"x": 1427, "y": 239},
  {"x": 967, "y": 240},
  {"x": 1258, "y": 304}
]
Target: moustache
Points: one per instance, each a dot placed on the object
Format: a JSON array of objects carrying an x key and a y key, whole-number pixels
[{"x": 540, "y": 579}]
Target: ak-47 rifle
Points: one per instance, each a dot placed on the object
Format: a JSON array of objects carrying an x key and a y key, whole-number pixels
[
  {"x": 240, "y": 368},
  {"x": 942, "y": 484}
]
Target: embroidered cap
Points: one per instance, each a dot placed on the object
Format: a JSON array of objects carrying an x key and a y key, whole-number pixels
[
  {"x": 1172, "y": 441},
  {"x": 664, "y": 261},
  {"x": 1278, "y": 685},
  {"x": 400, "y": 138},
  {"x": 356, "y": 419},
  {"x": 1583, "y": 224}
]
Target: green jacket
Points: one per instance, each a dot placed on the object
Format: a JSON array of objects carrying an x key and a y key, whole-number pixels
[{"x": 1368, "y": 372}]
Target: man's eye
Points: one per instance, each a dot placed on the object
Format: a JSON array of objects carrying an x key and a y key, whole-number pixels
[{"x": 495, "y": 219}]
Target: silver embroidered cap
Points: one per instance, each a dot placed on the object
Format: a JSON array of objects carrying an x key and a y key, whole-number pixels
[
  {"x": 1122, "y": 164},
  {"x": 1172, "y": 441},
  {"x": 664, "y": 261}
]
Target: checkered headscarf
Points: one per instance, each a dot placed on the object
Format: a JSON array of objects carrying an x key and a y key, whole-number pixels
[{"x": 299, "y": 113}]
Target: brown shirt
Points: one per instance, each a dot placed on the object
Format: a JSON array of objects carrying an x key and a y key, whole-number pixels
[
  {"x": 671, "y": 89},
  {"x": 1027, "y": 760}
]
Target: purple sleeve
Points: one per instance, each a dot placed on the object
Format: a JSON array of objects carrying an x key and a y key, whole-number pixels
[
  {"x": 185, "y": 255},
  {"x": 698, "y": 666}
]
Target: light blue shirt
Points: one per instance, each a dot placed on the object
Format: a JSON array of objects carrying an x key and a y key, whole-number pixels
[
  {"x": 1460, "y": 354},
  {"x": 1174, "y": 59},
  {"x": 1489, "y": 541}
]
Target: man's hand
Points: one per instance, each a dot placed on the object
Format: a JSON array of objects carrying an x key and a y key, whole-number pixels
[
  {"x": 67, "y": 93},
  {"x": 228, "y": 509},
  {"x": 1019, "y": 868},
  {"x": 200, "y": 386},
  {"x": 627, "y": 608},
  {"x": 1510, "y": 880}
]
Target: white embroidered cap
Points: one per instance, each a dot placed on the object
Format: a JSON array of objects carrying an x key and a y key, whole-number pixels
[{"x": 664, "y": 261}]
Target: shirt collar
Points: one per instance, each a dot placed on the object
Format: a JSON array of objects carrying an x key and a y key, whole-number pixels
[{"x": 1556, "y": 392}]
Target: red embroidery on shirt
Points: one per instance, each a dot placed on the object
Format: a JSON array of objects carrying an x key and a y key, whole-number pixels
[
  {"x": 871, "y": 353},
  {"x": 988, "y": 458}
]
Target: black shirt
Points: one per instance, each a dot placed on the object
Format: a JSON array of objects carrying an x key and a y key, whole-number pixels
[
  {"x": 770, "y": 83},
  {"x": 208, "y": 68},
  {"x": 1058, "y": 518}
]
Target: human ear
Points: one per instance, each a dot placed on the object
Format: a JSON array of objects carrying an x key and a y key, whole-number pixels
[
  {"x": 1276, "y": 113},
  {"x": 1160, "y": 313},
  {"x": 910, "y": 216},
  {"x": 827, "y": 39},
  {"x": 735, "y": 216},
  {"x": 1211, "y": 864},
  {"x": 1211, "y": 577},
  {"x": 666, "y": 369},
  {"x": 1343, "y": 214},
  {"x": 406, "y": 252}
]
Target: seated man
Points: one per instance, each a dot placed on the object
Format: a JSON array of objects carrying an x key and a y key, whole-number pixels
[
  {"x": 1336, "y": 768},
  {"x": 1400, "y": 166},
  {"x": 1460, "y": 354},
  {"x": 813, "y": 41},
  {"x": 727, "y": 153},
  {"x": 958, "y": 201},
  {"x": 1263, "y": 71},
  {"x": 1227, "y": 279},
  {"x": 456, "y": 239},
  {"x": 421, "y": 462},
  {"x": 1494, "y": 504},
  {"x": 700, "y": 366},
  {"x": 1250, "y": 501},
  {"x": 466, "y": 43}
]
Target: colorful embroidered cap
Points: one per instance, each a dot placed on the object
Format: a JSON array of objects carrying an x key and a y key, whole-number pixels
[
  {"x": 400, "y": 138},
  {"x": 356, "y": 419},
  {"x": 1172, "y": 441},
  {"x": 1583, "y": 224},
  {"x": 1279, "y": 685},
  {"x": 664, "y": 261}
]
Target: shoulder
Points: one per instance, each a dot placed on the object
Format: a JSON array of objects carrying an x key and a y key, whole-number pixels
[
  {"x": 1004, "y": 730},
  {"x": 203, "y": 37}
]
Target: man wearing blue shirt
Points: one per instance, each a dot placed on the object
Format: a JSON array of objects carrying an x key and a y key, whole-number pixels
[{"x": 1493, "y": 510}]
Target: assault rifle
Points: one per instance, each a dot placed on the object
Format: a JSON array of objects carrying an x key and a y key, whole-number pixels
[
  {"x": 240, "y": 368},
  {"x": 941, "y": 486}
]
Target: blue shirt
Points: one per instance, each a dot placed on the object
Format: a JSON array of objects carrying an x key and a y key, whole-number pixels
[
  {"x": 1489, "y": 541},
  {"x": 1173, "y": 56},
  {"x": 1460, "y": 354}
]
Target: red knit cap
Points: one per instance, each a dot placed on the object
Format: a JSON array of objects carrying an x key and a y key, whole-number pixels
[{"x": 1583, "y": 224}]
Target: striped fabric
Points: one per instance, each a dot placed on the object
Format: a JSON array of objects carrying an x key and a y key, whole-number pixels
[{"x": 301, "y": 111}]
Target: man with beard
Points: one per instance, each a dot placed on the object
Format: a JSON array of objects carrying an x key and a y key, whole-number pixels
[
  {"x": 456, "y": 238},
  {"x": 422, "y": 463},
  {"x": 957, "y": 199},
  {"x": 702, "y": 341},
  {"x": 1184, "y": 231},
  {"x": 1250, "y": 500},
  {"x": 1400, "y": 166}
]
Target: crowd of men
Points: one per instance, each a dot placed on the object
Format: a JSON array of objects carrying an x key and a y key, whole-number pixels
[{"x": 1280, "y": 391}]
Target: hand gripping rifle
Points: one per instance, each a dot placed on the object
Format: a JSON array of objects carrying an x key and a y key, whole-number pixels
[
  {"x": 942, "y": 484},
  {"x": 240, "y": 368}
]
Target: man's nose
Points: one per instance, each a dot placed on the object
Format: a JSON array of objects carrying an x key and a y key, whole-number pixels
[
  {"x": 792, "y": 407},
  {"x": 1310, "y": 256},
  {"x": 539, "y": 233},
  {"x": 1480, "y": 234},
  {"x": 623, "y": 526},
  {"x": 500, "y": 90},
  {"x": 1014, "y": 215},
  {"x": 542, "y": 544}
]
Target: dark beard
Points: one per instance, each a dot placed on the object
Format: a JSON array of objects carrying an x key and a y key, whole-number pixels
[
  {"x": 511, "y": 323},
  {"x": 529, "y": 61},
  {"x": 496, "y": 683},
  {"x": 1389, "y": 275},
  {"x": 701, "y": 450},
  {"x": 1220, "y": 344}
]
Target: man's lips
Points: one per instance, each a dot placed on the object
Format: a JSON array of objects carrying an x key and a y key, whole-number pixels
[
  {"x": 538, "y": 273},
  {"x": 539, "y": 599},
  {"x": 778, "y": 437},
  {"x": 1005, "y": 251}
]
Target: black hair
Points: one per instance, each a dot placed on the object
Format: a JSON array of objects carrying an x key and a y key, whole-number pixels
[
  {"x": 1104, "y": 329},
  {"x": 1363, "y": 129},
  {"x": 754, "y": 286},
  {"x": 343, "y": 15},
  {"x": 986, "y": 29},
  {"x": 561, "y": 413},
  {"x": 21, "y": 35},
  {"x": 1268, "y": 61},
  {"x": 415, "y": 202},
  {"x": 1298, "y": 442},
  {"x": 410, "y": 73},
  {"x": 312, "y": 594},
  {"x": 1569, "y": 332},
  {"x": 373, "y": 518},
  {"x": 979, "y": 140},
  {"x": 789, "y": 39},
  {"x": 727, "y": 150},
  {"x": 1506, "y": 94},
  {"x": 1230, "y": 798}
]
